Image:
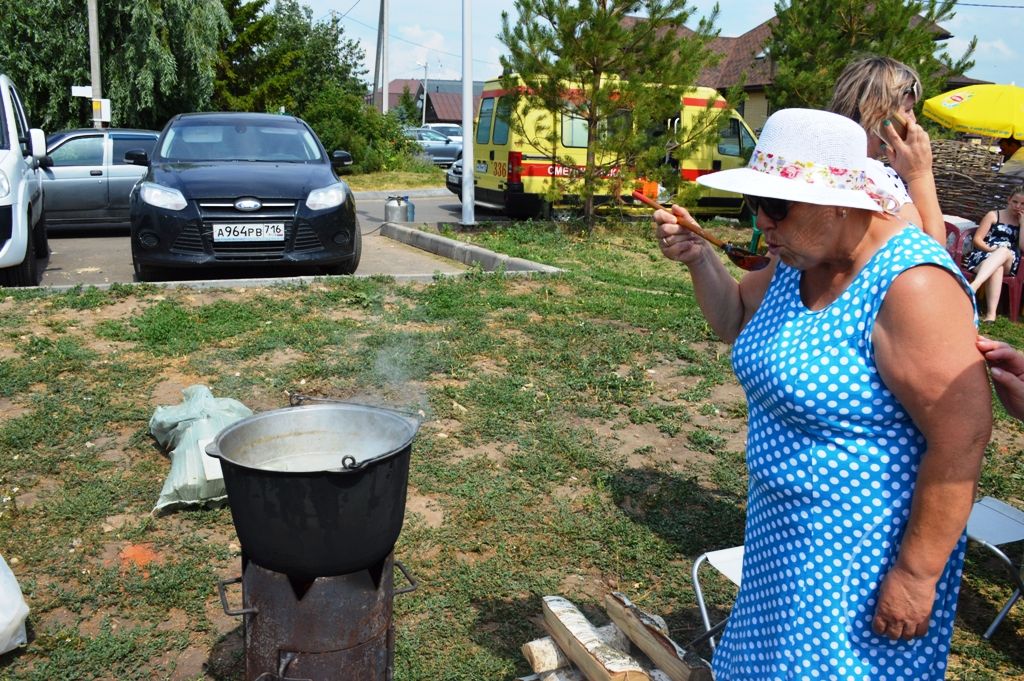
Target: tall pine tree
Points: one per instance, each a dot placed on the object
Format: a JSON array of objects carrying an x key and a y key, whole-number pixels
[
  {"x": 599, "y": 61},
  {"x": 813, "y": 40}
]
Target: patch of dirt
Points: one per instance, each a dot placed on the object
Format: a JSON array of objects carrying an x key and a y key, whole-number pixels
[
  {"x": 173, "y": 380},
  {"x": 9, "y": 409},
  {"x": 426, "y": 507},
  {"x": 41, "y": 491}
]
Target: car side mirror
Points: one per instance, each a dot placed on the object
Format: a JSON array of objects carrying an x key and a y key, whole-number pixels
[
  {"x": 341, "y": 158},
  {"x": 37, "y": 144},
  {"x": 137, "y": 157},
  {"x": 46, "y": 162}
]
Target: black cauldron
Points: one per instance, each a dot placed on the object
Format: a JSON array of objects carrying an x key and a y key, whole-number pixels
[{"x": 317, "y": 490}]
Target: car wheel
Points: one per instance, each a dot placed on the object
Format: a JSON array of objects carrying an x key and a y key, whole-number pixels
[
  {"x": 42, "y": 239},
  {"x": 350, "y": 265},
  {"x": 25, "y": 273}
]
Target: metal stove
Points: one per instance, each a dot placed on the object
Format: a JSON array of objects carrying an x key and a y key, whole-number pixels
[{"x": 335, "y": 628}]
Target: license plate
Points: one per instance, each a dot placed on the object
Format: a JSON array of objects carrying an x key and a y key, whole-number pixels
[{"x": 249, "y": 231}]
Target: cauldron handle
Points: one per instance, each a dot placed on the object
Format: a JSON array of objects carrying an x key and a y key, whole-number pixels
[
  {"x": 413, "y": 584},
  {"x": 224, "y": 599}
]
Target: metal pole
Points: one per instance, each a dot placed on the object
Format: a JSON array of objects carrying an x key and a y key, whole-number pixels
[
  {"x": 378, "y": 91},
  {"x": 468, "y": 164},
  {"x": 384, "y": 55},
  {"x": 424, "y": 121},
  {"x": 94, "y": 55}
]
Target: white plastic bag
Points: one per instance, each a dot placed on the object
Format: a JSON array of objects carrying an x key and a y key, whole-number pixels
[
  {"x": 195, "y": 478},
  {"x": 13, "y": 610}
]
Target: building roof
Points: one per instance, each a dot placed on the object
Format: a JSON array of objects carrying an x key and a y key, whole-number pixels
[{"x": 444, "y": 107}]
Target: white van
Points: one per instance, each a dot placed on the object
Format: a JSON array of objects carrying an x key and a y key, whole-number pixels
[{"x": 22, "y": 224}]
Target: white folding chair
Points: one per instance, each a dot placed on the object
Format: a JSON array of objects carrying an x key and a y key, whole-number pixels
[
  {"x": 727, "y": 561},
  {"x": 993, "y": 523}
]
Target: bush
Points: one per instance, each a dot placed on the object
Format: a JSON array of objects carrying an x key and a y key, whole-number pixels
[{"x": 343, "y": 120}]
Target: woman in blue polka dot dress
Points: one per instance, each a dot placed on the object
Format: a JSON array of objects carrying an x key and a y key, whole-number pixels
[{"x": 869, "y": 411}]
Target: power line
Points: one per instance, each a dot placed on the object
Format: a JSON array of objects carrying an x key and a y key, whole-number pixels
[
  {"x": 425, "y": 47},
  {"x": 975, "y": 4}
]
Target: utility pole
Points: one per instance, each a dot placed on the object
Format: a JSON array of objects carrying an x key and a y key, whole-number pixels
[
  {"x": 385, "y": 94},
  {"x": 94, "y": 56},
  {"x": 380, "y": 67},
  {"x": 468, "y": 164},
  {"x": 424, "y": 65}
]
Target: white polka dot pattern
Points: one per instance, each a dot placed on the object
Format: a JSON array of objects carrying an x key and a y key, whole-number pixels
[{"x": 832, "y": 458}]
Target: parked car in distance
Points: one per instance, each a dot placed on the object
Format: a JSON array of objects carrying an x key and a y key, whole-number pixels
[
  {"x": 453, "y": 178},
  {"x": 449, "y": 130},
  {"x": 86, "y": 179},
  {"x": 22, "y": 220},
  {"x": 234, "y": 190},
  {"x": 441, "y": 150}
]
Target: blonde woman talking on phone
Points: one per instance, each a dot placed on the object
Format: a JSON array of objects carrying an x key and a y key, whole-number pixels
[{"x": 879, "y": 93}]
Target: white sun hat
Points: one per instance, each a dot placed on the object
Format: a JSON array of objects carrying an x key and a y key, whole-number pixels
[{"x": 809, "y": 156}]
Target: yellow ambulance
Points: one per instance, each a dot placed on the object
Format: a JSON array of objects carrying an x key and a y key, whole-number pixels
[{"x": 514, "y": 175}]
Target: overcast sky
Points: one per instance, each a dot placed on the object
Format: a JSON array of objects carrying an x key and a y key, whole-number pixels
[{"x": 430, "y": 32}]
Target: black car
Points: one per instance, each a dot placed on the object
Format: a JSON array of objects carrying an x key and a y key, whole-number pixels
[{"x": 242, "y": 189}]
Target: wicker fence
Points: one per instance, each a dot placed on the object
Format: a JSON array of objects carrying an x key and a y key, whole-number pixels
[{"x": 966, "y": 179}]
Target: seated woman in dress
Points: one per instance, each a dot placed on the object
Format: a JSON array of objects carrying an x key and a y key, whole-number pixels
[
  {"x": 868, "y": 409},
  {"x": 997, "y": 247}
]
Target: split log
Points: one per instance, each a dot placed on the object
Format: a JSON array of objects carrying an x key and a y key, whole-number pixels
[
  {"x": 639, "y": 626},
  {"x": 563, "y": 674},
  {"x": 579, "y": 640},
  {"x": 544, "y": 655}
]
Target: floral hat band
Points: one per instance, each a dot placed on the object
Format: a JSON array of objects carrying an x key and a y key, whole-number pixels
[
  {"x": 830, "y": 176},
  {"x": 808, "y": 156}
]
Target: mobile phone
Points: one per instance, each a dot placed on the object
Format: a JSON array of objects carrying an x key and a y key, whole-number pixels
[{"x": 899, "y": 123}]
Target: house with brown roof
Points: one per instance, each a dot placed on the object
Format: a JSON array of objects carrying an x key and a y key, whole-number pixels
[{"x": 444, "y": 97}]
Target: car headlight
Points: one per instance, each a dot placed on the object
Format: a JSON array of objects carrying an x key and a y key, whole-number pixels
[
  {"x": 162, "y": 197},
  {"x": 327, "y": 197},
  {"x": 5, "y": 185}
]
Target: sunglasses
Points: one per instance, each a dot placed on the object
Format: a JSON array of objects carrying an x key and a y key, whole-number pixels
[{"x": 776, "y": 209}]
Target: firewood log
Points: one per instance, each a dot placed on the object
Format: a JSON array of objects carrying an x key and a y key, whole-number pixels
[
  {"x": 580, "y": 642},
  {"x": 639, "y": 626},
  {"x": 544, "y": 655}
]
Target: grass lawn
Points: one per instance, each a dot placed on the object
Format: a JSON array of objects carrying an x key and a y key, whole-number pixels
[{"x": 583, "y": 433}]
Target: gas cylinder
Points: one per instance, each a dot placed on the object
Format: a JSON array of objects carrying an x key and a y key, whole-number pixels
[{"x": 398, "y": 209}]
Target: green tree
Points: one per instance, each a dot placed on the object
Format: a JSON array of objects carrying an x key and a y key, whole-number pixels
[
  {"x": 240, "y": 70},
  {"x": 303, "y": 57},
  {"x": 597, "y": 62},
  {"x": 813, "y": 40},
  {"x": 406, "y": 111},
  {"x": 156, "y": 58}
]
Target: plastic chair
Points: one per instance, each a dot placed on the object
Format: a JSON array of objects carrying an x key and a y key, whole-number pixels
[
  {"x": 729, "y": 562},
  {"x": 958, "y": 244},
  {"x": 993, "y": 523}
]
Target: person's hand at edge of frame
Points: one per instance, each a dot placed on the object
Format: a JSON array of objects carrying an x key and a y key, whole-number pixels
[{"x": 1006, "y": 365}]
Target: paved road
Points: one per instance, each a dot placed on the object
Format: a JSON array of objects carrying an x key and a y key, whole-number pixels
[{"x": 79, "y": 258}]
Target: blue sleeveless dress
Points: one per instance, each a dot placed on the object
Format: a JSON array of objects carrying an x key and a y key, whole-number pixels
[{"x": 832, "y": 460}]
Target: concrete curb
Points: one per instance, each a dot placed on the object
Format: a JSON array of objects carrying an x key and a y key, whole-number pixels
[
  {"x": 459, "y": 251},
  {"x": 411, "y": 193}
]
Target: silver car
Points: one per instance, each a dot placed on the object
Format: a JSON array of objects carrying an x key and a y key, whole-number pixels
[
  {"x": 86, "y": 181},
  {"x": 441, "y": 150}
]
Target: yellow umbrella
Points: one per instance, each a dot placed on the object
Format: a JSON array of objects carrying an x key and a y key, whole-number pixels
[{"x": 989, "y": 110}]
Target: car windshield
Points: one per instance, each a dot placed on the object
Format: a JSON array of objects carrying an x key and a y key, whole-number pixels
[
  {"x": 239, "y": 141},
  {"x": 450, "y": 131}
]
